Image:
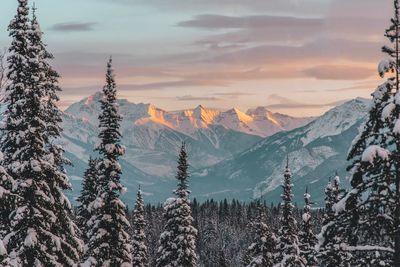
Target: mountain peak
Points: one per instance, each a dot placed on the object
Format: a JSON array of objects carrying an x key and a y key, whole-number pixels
[
  {"x": 241, "y": 116},
  {"x": 337, "y": 120},
  {"x": 200, "y": 107},
  {"x": 207, "y": 115},
  {"x": 96, "y": 97},
  {"x": 258, "y": 111},
  {"x": 151, "y": 108}
]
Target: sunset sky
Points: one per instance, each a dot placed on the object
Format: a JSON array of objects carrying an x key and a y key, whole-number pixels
[{"x": 299, "y": 57}]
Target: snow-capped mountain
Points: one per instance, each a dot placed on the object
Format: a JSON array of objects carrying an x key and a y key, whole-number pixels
[
  {"x": 153, "y": 136},
  {"x": 258, "y": 121},
  {"x": 315, "y": 151},
  {"x": 152, "y": 133}
]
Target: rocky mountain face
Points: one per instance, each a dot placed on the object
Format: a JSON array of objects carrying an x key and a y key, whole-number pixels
[
  {"x": 316, "y": 152},
  {"x": 153, "y": 136}
]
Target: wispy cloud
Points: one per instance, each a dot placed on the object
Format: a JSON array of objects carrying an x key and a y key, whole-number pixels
[
  {"x": 286, "y": 103},
  {"x": 174, "y": 84},
  {"x": 146, "y": 86},
  {"x": 197, "y": 98},
  {"x": 233, "y": 94},
  {"x": 74, "y": 27},
  {"x": 340, "y": 72},
  {"x": 317, "y": 50},
  {"x": 212, "y": 21},
  {"x": 310, "y": 7},
  {"x": 363, "y": 86}
]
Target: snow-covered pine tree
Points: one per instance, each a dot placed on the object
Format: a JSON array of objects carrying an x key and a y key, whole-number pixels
[
  {"x": 307, "y": 237},
  {"x": 177, "y": 245},
  {"x": 17, "y": 76},
  {"x": 209, "y": 249},
  {"x": 166, "y": 254},
  {"x": 47, "y": 78},
  {"x": 372, "y": 212},
  {"x": 288, "y": 242},
  {"x": 329, "y": 202},
  {"x": 109, "y": 239},
  {"x": 87, "y": 196},
  {"x": 393, "y": 65},
  {"x": 42, "y": 232},
  {"x": 332, "y": 238},
  {"x": 262, "y": 252},
  {"x": 139, "y": 235}
]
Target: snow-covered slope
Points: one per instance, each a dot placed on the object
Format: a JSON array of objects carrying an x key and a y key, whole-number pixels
[
  {"x": 316, "y": 151},
  {"x": 277, "y": 122},
  {"x": 153, "y": 136},
  {"x": 258, "y": 121}
]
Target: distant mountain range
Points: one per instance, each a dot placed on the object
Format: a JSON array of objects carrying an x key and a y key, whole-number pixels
[
  {"x": 316, "y": 152},
  {"x": 232, "y": 153},
  {"x": 153, "y": 136}
]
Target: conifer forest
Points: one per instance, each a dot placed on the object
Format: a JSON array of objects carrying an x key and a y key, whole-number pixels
[{"x": 357, "y": 223}]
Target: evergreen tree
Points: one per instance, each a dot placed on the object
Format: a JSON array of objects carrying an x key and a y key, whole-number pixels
[
  {"x": 58, "y": 181},
  {"x": 87, "y": 196},
  {"x": 177, "y": 245},
  {"x": 307, "y": 237},
  {"x": 371, "y": 214},
  {"x": 209, "y": 249},
  {"x": 42, "y": 232},
  {"x": 139, "y": 235},
  {"x": 331, "y": 239},
  {"x": 17, "y": 75},
  {"x": 381, "y": 188},
  {"x": 109, "y": 239},
  {"x": 261, "y": 253},
  {"x": 288, "y": 243}
]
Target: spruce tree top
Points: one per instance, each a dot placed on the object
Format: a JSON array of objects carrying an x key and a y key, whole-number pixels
[
  {"x": 182, "y": 173},
  {"x": 110, "y": 119}
]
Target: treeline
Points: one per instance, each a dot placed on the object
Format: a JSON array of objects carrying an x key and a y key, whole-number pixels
[{"x": 225, "y": 228}]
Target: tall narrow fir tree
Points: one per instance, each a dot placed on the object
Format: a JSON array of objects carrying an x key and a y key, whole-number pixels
[
  {"x": 17, "y": 74},
  {"x": 109, "y": 238},
  {"x": 307, "y": 237},
  {"x": 139, "y": 234},
  {"x": 331, "y": 239},
  {"x": 177, "y": 245},
  {"x": 288, "y": 242},
  {"x": 87, "y": 196}
]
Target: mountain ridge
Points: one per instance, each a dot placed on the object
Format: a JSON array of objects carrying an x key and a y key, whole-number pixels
[
  {"x": 225, "y": 163},
  {"x": 258, "y": 121},
  {"x": 316, "y": 151}
]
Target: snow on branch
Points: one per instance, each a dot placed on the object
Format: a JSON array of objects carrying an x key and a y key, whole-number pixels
[
  {"x": 374, "y": 151},
  {"x": 385, "y": 66}
]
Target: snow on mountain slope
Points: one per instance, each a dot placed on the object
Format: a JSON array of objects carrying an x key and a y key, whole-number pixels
[
  {"x": 316, "y": 151},
  {"x": 278, "y": 121},
  {"x": 153, "y": 137},
  {"x": 337, "y": 121},
  {"x": 259, "y": 121}
]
